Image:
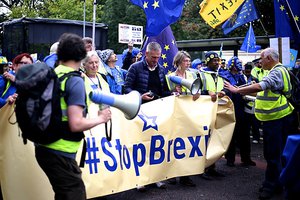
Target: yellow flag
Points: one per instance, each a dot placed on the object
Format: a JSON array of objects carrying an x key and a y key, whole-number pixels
[{"x": 215, "y": 12}]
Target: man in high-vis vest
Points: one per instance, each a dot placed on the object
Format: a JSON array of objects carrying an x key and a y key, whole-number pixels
[
  {"x": 213, "y": 85},
  {"x": 57, "y": 159},
  {"x": 274, "y": 110}
]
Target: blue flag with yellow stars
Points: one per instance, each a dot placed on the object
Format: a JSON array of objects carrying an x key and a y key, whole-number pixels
[
  {"x": 287, "y": 20},
  {"x": 249, "y": 44},
  {"x": 244, "y": 14},
  {"x": 160, "y": 13},
  {"x": 169, "y": 48}
]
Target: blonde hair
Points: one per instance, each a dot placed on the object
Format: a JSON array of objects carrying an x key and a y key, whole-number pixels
[{"x": 179, "y": 57}]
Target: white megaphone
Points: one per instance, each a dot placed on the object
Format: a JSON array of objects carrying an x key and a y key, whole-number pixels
[
  {"x": 193, "y": 85},
  {"x": 129, "y": 103}
]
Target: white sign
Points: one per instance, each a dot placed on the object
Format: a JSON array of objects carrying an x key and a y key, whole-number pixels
[
  {"x": 283, "y": 48},
  {"x": 131, "y": 33}
]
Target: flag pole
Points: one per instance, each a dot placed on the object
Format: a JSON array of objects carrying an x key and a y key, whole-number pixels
[{"x": 292, "y": 15}]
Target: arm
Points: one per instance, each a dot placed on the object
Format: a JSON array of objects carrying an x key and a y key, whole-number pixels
[
  {"x": 79, "y": 123},
  {"x": 244, "y": 90}
]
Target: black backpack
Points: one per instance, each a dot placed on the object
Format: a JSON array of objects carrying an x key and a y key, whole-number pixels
[
  {"x": 294, "y": 99},
  {"x": 38, "y": 109}
]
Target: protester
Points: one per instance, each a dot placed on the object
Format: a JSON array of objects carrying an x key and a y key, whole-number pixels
[
  {"x": 213, "y": 85},
  {"x": 223, "y": 69},
  {"x": 88, "y": 43},
  {"x": 196, "y": 64},
  {"x": 181, "y": 63},
  {"x": 241, "y": 136},
  {"x": 93, "y": 79},
  {"x": 51, "y": 59},
  {"x": 148, "y": 78},
  {"x": 57, "y": 159},
  {"x": 114, "y": 74},
  {"x": 273, "y": 109},
  {"x": 7, "y": 80},
  {"x": 130, "y": 56}
]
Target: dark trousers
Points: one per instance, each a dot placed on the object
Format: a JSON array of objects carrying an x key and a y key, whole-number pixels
[
  {"x": 63, "y": 174},
  {"x": 254, "y": 124},
  {"x": 241, "y": 139},
  {"x": 275, "y": 135}
]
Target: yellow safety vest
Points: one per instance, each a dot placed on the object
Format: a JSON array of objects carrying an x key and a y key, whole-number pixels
[
  {"x": 189, "y": 76},
  {"x": 209, "y": 83},
  {"x": 62, "y": 144},
  {"x": 271, "y": 106},
  {"x": 259, "y": 73}
]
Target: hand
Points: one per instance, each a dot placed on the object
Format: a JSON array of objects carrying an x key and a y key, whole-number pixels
[
  {"x": 9, "y": 76},
  {"x": 196, "y": 96},
  {"x": 230, "y": 87},
  {"x": 221, "y": 94},
  {"x": 147, "y": 97},
  {"x": 213, "y": 96},
  {"x": 104, "y": 115},
  {"x": 178, "y": 89},
  {"x": 12, "y": 98},
  {"x": 130, "y": 46}
]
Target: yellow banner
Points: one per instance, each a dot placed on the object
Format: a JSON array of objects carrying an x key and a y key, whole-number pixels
[
  {"x": 215, "y": 12},
  {"x": 167, "y": 137}
]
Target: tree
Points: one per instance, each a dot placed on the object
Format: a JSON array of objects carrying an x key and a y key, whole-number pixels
[{"x": 121, "y": 11}]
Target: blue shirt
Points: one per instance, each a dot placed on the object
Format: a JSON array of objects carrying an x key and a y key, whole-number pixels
[{"x": 10, "y": 91}]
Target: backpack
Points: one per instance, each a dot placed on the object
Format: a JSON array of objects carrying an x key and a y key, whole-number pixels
[
  {"x": 38, "y": 109},
  {"x": 294, "y": 99}
]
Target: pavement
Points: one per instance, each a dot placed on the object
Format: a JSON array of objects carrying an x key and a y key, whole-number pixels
[{"x": 239, "y": 183}]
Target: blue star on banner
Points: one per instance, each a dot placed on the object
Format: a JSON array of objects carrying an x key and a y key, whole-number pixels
[
  {"x": 160, "y": 13},
  {"x": 244, "y": 14},
  {"x": 287, "y": 23},
  {"x": 169, "y": 48},
  {"x": 149, "y": 122},
  {"x": 249, "y": 44}
]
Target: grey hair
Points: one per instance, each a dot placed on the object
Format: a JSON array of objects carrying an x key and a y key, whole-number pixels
[
  {"x": 179, "y": 57},
  {"x": 271, "y": 52},
  {"x": 153, "y": 46},
  {"x": 87, "y": 40},
  {"x": 89, "y": 55}
]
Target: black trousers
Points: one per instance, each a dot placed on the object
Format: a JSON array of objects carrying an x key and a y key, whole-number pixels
[
  {"x": 63, "y": 174},
  {"x": 240, "y": 139}
]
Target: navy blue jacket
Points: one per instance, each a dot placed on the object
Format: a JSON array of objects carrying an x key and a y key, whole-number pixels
[{"x": 137, "y": 79}]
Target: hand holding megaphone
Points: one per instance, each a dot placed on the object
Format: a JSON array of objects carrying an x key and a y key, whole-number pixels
[
  {"x": 104, "y": 115},
  {"x": 193, "y": 85},
  {"x": 129, "y": 104}
]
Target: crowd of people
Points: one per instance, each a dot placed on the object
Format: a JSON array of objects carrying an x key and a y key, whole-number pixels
[{"x": 255, "y": 88}]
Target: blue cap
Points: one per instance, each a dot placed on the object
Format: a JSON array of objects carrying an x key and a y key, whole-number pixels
[
  {"x": 235, "y": 62},
  {"x": 196, "y": 62},
  {"x": 134, "y": 53}
]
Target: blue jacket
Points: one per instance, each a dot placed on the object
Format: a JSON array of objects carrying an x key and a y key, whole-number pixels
[
  {"x": 111, "y": 80},
  {"x": 4, "y": 94},
  {"x": 138, "y": 76}
]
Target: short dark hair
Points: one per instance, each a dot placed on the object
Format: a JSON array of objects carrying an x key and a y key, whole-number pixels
[{"x": 70, "y": 47}]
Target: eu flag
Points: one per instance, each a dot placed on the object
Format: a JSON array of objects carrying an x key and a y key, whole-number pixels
[
  {"x": 244, "y": 14},
  {"x": 287, "y": 20},
  {"x": 169, "y": 48},
  {"x": 249, "y": 44},
  {"x": 160, "y": 13}
]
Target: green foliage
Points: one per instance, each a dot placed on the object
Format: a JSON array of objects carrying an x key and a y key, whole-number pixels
[{"x": 120, "y": 12}]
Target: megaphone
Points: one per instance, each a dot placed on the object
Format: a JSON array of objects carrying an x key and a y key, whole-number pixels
[
  {"x": 194, "y": 86},
  {"x": 129, "y": 103}
]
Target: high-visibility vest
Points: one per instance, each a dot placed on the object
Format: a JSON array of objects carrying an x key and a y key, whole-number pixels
[
  {"x": 209, "y": 83},
  {"x": 62, "y": 144},
  {"x": 270, "y": 105}
]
